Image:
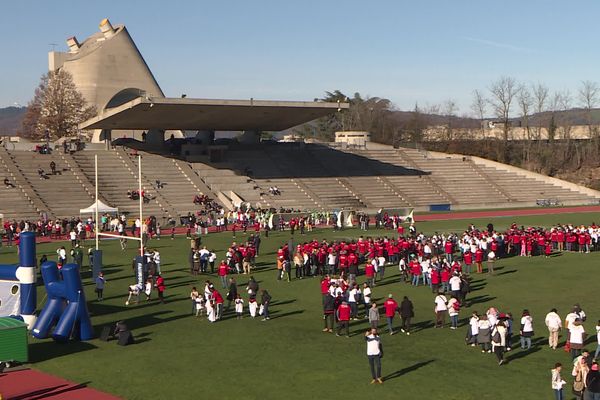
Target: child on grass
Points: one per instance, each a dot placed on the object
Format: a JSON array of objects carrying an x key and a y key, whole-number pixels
[{"x": 239, "y": 306}]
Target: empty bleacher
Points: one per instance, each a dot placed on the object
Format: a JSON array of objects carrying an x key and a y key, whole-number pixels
[{"x": 62, "y": 194}]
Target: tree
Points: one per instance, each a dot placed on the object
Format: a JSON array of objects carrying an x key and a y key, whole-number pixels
[
  {"x": 479, "y": 107},
  {"x": 449, "y": 109},
  {"x": 540, "y": 97},
  {"x": 503, "y": 93},
  {"x": 588, "y": 99},
  {"x": 525, "y": 101},
  {"x": 57, "y": 107}
]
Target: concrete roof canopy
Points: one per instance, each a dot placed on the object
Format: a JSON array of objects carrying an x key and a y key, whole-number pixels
[{"x": 203, "y": 114}]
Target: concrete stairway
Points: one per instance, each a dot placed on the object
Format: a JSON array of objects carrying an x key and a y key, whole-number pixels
[
  {"x": 178, "y": 189},
  {"x": 62, "y": 194},
  {"x": 20, "y": 202},
  {"x": 115, "y": 178}
]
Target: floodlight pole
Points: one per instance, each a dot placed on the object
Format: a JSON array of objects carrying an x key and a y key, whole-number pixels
[
  {"x": 96, "y": 204},
  {"x": 141, "y": 201}
]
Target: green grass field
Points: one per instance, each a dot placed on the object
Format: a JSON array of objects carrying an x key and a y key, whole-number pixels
[{"x": 178, "y": 356}]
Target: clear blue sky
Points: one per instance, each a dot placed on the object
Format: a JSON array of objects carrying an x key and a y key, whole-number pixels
[{"x": 408, "y": 51}]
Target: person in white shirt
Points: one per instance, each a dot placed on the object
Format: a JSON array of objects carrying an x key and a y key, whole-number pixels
[
  {"x": 554, "y": 324},
  {"x": 148, "y": 289},
  {"x": 440, "y": 310},
  {"x": 598, "y": 340},
  {"x": 453, "y": 309},
  {"x": 526, "y": 331},
  {"x": 570, "y": 318},
  {"x": 491, "y": 259},
  {"x": 156, "y": 258},
  {"x": 455, "y": 284},
  {"x": 499, "y": 341},
  {"x": 239, "y": 306},
  {"x": 134, "y": 291},
  {"x": 576, "y": 338},
  {"x": 366, "y": 295},
  {"x": 473, "y": 329},
  {"x": 352, "y": 294},
  {"x": 557, "y": 381},
  {"x": 374, "y": 353}
]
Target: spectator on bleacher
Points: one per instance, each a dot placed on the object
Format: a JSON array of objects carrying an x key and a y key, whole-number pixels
[
  {"x": 8, "y": 184},
  {"x": 41, "y": 173},
  {"x": 53, "y": 167}
]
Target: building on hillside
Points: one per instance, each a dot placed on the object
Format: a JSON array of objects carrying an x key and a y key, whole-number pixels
[
  {"x": 353, "y": 138},
  {"x": 496, "y": 131}
]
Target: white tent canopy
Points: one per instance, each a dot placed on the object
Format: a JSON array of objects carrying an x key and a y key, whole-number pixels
[{"x": 102, "y": 208}]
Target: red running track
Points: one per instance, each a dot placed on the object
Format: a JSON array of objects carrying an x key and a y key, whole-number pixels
[
  {"x": 505, "y": 213},
  {"x": 28, "y": 384}
]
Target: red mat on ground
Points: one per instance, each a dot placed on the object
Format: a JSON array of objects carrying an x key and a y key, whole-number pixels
[
  {"x": 505, "y": 213},
  {"x": 28, "y": 384}
]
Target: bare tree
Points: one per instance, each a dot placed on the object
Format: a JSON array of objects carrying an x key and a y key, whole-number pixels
[
  {"x": 449, "y": 109},
  {"x": 479, "y": 107},
  {"x": 539, "y": 93},
  {"x": 588, "y": 95},
  {"x": 525, "y": 102},
  {"x": 503, "y": 93}
]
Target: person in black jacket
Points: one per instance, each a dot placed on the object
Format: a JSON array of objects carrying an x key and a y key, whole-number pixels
[
  {"x": 232, "y": 293},
  {"x": 265, "y": 300},
  {"x": 592, "y": 383},
  {"x": 406, "y": 313},
  {"x": 328, "y": 311}
]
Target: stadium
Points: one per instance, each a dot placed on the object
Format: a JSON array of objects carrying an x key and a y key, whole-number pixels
[{"x": 151, "y": 186}]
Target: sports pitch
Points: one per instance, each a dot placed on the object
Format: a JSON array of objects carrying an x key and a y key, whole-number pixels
[{"x": 178, "y": 356}]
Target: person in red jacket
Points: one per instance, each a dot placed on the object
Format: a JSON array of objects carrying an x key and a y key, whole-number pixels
[
  {"x": 223, "y": 267},
  {"x": 160, "y": 286},
  {"x": 391, "y": 306},
  {"x": 548, "y": 249},
  {"x": 218, "y": 299},
  {"x": 479, "y": 260},
  {"x": 448, "y": 250},
  {"x": 325, "y": 282},
  {"x": 343, "y": 316},
  {"x": 370, "y": 273},
  {"x": 468, "y": 259}
]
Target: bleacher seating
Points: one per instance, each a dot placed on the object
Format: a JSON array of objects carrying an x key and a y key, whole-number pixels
[
  {"x": 61, "y": 193},
  {"x": 308, "y": 176},
  {"x": 115, "y": 179}
]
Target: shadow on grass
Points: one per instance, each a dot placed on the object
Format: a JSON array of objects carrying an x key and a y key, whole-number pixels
[
  {"x": 407, "y": 370},
  {"x": 479, "y": 299},
  {"x": 287, "y": 314},
  {"x": 523, "y": 353},
  {"x": 510, "y": 271},
  {"x": 49, "y": 349},
  {"x": 419, "y": 326}
]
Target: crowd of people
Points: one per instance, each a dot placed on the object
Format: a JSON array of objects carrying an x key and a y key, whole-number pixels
[
  {"x": 210, "y": 302},
  {"x": 445, "y": 263}
]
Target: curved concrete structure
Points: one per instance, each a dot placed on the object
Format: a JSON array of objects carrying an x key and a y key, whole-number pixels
[{"x": 107, "y": 68}]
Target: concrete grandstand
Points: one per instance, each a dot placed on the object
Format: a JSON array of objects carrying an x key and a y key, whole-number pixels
[{"x": 308, "y": 176}]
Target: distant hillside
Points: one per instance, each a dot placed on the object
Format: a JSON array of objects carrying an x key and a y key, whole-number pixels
[{"x": 10, "y": 120}]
